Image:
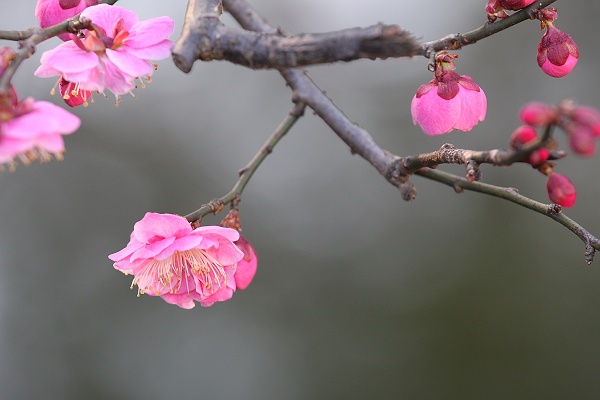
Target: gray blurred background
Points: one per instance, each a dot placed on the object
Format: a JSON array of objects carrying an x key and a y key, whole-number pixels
[{"x": 358, "y": 294}]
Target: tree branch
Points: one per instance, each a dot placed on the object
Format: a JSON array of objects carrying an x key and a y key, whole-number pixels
[
  {"x": 458, "y": 40},
  {"x": 361, "y": 142},
  {"x": 205, "y": 38},
  {"x": 553, "y": 211}
]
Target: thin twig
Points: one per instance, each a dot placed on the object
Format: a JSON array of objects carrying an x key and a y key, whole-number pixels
[
  {"x": 458, "y": 40},
  {"x": 246, "y": 173},
  {"x": 553, "y": 211}
]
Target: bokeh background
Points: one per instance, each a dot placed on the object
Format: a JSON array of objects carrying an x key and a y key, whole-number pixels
[{"x": 358, "y": 293}]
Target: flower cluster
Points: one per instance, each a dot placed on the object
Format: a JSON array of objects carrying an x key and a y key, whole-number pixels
[
  {"x": 170, "y": 259},
  {"x": 112, "y": 54},
  {"x": 449, "y": 101},
  {"x": 582, "y": 126}
]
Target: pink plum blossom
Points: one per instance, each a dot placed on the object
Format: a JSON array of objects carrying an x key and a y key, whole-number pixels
[
  {"x": 52, "y": 12},
  {"x": 448, "y": 101},
  {"x": 115, "y": 51},
  {"x": 32, "y": 130},
  {"x": 170, "y": 259}
]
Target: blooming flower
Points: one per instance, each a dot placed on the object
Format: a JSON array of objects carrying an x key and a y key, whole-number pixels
[
  {"x": 456, "y": 103},
  {"x": 114, "y": 52},
  {"x": 557, "y": 52},
  {"x": 561, "y": 190},
  {"x": 52, "y": 12},
  {"x": 31, "y": 130},
  {"x": 170, "y": 259}
]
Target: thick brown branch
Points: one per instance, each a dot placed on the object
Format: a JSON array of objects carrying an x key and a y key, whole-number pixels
[{"x": 205, "y": 38}]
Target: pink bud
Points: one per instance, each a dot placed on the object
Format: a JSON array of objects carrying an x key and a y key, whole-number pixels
[
  {"x": 582, "y": 141},
  {"x": 561, "y": 190},
  {"x": 587, "y": 116},
  {"x": 72, "y": 94},
  {"x": 538, "y": 157},
  {"x": 523, "y": 134},
  {"x": 538, "y": 114},
  {"x": 557, "y": 52}
]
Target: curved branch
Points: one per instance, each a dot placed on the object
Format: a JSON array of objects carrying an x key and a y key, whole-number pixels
[{"x": 553, "y": 211}]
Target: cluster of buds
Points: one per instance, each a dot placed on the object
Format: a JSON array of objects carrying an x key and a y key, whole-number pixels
[
  {"x": 582, "y": 126},
  {"x": 557, "y": 52}
]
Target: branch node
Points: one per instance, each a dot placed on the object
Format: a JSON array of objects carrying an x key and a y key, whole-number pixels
[
  {"x": 216, "y": 206},
  {"x": 554, "y": 209},
  {"x": 408, "y": 191},
  {"x": 456, "y": 186},
  {"x": 473, "y": 171}
]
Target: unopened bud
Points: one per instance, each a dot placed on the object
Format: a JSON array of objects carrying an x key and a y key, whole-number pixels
[
  {"x": 557, "y": 53},
  {"x": 561, "y": 190},
  {"x": 538, "y": 114}
]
